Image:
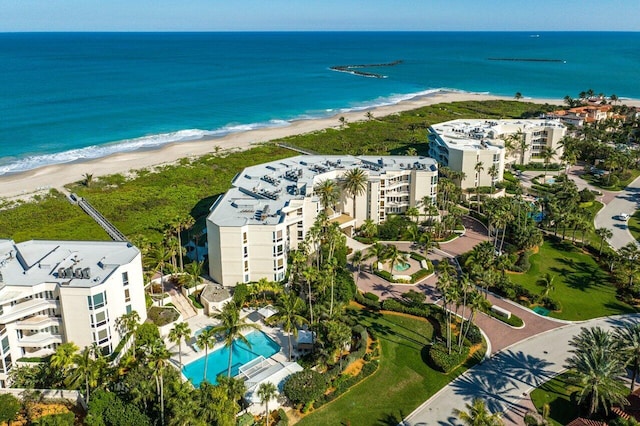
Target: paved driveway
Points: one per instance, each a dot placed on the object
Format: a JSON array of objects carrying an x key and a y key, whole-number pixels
[
  {"x": 627, "y": 201},
  {"x": 507, "y": 378}
]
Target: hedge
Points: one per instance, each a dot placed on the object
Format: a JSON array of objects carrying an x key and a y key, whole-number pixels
[
  {"x": 371, "y": 296},
  {"x": 305, "y": 386},
  {"x": 514, "y": 320},
  {"x": 372, "y": 304},
  {"x": 341, "y": 386},
  {"x": 396, "y": 306},
  {"x": 419, "y": 275},
  {"x": 441, "y": 360}
]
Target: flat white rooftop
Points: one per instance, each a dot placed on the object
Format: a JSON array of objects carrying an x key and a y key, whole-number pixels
[
  {"x": 261, "y": 192},
  {"x": 478, "y": 134},
  {"x": 85, "y": 263}
]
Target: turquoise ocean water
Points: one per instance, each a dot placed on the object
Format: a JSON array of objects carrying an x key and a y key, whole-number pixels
[{"x": 73, "y": 96}]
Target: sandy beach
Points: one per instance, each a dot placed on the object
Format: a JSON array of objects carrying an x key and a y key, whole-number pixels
[{"x": 25, "y": 184}]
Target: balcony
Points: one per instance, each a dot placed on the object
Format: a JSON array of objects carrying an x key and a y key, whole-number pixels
[
  {"x": 38, "y": 322},
  {"x": 28, "y": 308},
  {"x": 39, "y": 340}
]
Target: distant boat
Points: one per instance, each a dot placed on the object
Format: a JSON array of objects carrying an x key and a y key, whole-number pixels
[{"x": 535, "y": 35}]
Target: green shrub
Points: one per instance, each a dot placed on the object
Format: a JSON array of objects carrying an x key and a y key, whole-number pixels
[
  {"x": 9, "y": 408},
  {"x": 550, "y": 304},
  {"x": 513, "y": 320},
  {"x": 305, "y": 386},
  {"x": 441, "y": 360},
  {"x": 416, "y": 256},
  {"x": 195, "y": 301},
  {"x": 522, "y": 264},
  {"x": 384, "y": 274},
  {"x": 419, "y": 275},
  {"x": 61, "y": 419},
  {"x": 372, "y": 304},
  {"x": 474, "y": 336},
  {"x": 283, "y": 419},
  {"x": 240, "y": 293},
  {"x": 371, "y": 296}
]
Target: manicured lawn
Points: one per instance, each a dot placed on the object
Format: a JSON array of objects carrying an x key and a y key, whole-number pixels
[
  {"x": 403, "y": 380},
  {"x": 581, "y": 286},
  {"x": 634, "y": 225},
  {"x": 557, "y": 393}
]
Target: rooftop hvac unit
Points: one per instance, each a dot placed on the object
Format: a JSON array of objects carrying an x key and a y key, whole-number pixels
[
  {"x": 86, "y": 273},
  {"x": 78, "y": 273},
  {"x": 68, "y": 273},
  {"x": 62, "y": 273}
]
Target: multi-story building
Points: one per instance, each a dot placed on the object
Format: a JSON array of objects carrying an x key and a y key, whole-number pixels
[
  {"x": 53, "y": 292},
  {"x": 272, "y": 206},
  {"x": 461, "y": 144}
]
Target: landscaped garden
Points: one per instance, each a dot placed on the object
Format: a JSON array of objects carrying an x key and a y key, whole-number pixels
[
  {"x": 582, "y": 288},
  {"x": 403, "y": 380}
]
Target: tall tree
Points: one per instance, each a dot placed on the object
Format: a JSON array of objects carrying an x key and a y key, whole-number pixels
[
  {"x": 328, "y": 192},
  {"x": 158, "y": 361},
  {"x": 178, "y": 333},
  {"x": 159, "y": 257},
  {"x": 232, "y": 326},
  {"x": 628, "y": 341},
  {"x": 493, "y": 172},
  {"x": 355, "y": 184},
  {"x": 206, "y": 339},
  {"x": 478, "y": 168},
  {"x": 289, "y": 307},
  {"x": 127, "y": 324},
  {"x": 266, "y": 392},
  {"x": 596, "y": 367}
]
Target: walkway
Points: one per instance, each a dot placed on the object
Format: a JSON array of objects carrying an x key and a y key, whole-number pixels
[
  {"x": 110, "y": 229},
  {"x": 508, "y": 377},
  {"x": 180, "y": 302}
]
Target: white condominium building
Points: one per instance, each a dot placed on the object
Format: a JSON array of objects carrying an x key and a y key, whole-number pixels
[
  {"x": 461, "y": 144},
  {"x": 53, "y": 292},
  {"x": 272, "y": 206}
]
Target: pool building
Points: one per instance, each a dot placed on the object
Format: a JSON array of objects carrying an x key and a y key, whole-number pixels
[{"x": 272, "y": 206}]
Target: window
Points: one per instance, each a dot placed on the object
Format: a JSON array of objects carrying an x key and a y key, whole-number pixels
[
  {"x": 127, "y": 296},
  {"x": 277, "y": 236},
  {"x": 278, "y": 264},
  {"x": 245, "y": 251},
  {"x": 278, "y": 250},
  {"x": 246, "y": 266},
  {"x": 5, "y": 345},
  {"x": 128, "y": 308},
  {"x": 244, "y": 238},
  {"x": 99, "y": 319},
  {"x": 125, "y": 278},
  {"x": 97, "y": 301},
  {"x": 103, "y": 336}
]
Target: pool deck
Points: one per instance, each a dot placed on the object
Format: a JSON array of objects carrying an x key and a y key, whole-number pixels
[{"x": 189, "y": 354}]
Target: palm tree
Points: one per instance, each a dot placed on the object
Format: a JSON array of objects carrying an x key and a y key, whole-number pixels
[
  {"x": 232, "y": 326},
  {"x": 266, "y": 392},
  {"x": 288, "y": 315},
  {"x": 478, "y": 415},
  {"x": 413, "y": 213},
  {"x": 158, "y": 361},
  {"x": 85, "y": 371},
  {"x": 192, "y": 278},
  {"x": 369, "y": 229},
  {"x": 411, "y": 151},
  {"x": 547, "y": 282},
  {"x": 377, "y": 251},
  {"x": 179, "y": 332},
  {"x": 518, "y": 96},
  {"x": 493, "y": 172},
  {"x": 128, "y": 323},
  {"x": 628, "y": 340},
  {"x": 520, "y": 142},
  {"x": 478, "y": 168},
  {"x": 63, "y": 357},
  {"x": 159, "y": 257},
  {"x": 604, "y": 234},
  {"x": 369, "y": 115},
  {"x": 547, "y": 153},
  {"x": 206, "y": 339},
  {"x": 354, "y": 184},
  {"x": 180, "y": 224},
  {"x": 328, "y": 193},
  {"x": 88, "y": 179},
  {"x": 356, "y": 260},
  {"x": 596, "y": 367},
  {"x": 343, "y": 122},
  {"x": 394, "y": 256}
]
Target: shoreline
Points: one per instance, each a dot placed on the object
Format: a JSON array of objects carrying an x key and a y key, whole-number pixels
[{"x": 23, "y": 185}]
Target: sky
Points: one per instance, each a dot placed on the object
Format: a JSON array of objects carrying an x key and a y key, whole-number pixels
[{"x": 319, "y": 15}]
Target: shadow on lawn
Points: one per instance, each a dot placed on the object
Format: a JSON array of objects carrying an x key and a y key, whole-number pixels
[{"x": 579, "y": 274}]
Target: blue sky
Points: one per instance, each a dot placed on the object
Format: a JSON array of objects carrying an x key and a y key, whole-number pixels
[{"x": 279, "y": 15}]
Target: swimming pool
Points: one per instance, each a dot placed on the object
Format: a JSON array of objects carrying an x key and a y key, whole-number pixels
[{"x": 218, "y": 362}]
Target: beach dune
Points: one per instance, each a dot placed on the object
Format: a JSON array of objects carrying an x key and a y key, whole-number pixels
[{"x": 28, "y": 183}]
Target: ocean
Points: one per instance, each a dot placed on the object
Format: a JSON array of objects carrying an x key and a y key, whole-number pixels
[{"x": 72, "y": 96}]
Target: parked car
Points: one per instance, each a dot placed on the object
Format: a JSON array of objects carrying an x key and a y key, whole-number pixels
[{"x": 623, "y": 216}]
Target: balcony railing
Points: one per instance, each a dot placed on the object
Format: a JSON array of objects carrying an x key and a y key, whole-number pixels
[{"x": 25, "y": 309}]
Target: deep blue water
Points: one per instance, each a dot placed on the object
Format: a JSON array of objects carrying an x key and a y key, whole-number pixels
[{"x": 68, "y": 96}]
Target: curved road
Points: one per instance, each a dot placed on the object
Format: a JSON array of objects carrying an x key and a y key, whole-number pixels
[
  {"x": 626, "y": 201},
  {"x": 504, "y": 379}
]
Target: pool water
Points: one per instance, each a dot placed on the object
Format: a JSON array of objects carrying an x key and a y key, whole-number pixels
[
  {"x": 401, "y": 266},
  {"x": 541, "y": 311},
  {"x": 218, "y": 362}
]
